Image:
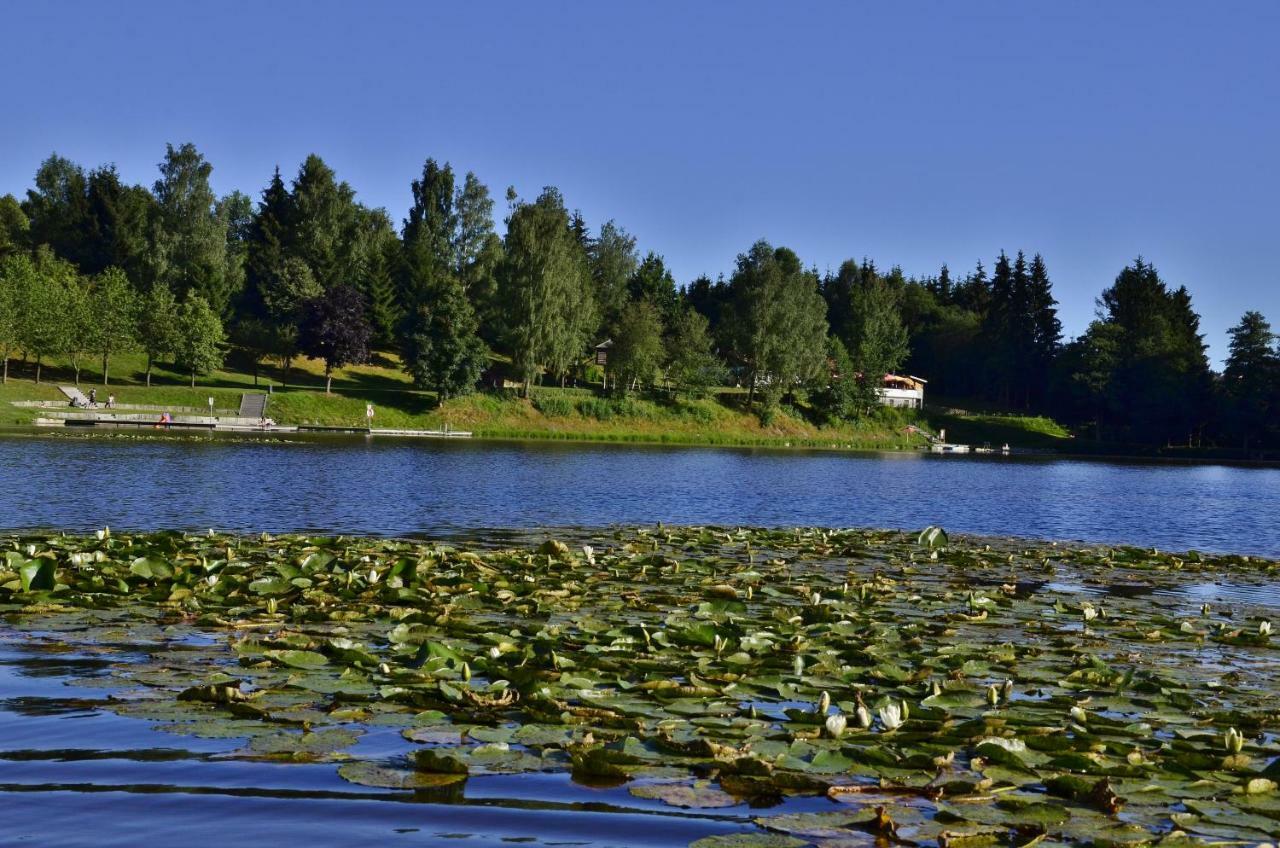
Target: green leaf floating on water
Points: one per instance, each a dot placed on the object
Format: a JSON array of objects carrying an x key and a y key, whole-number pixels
[
  {"x": 38, "y": 575},
  {"x": 981, "y": 704}
]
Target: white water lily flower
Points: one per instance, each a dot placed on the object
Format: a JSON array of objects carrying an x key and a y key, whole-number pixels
[
  {"x": 1089, "y": 611},
  {"x": 835, "y": 725},
  {"x": 31, "y": 550},
  {"x": 815, "y": 599},
  {"x": 891, "y": 716},
  {"x": 590, "y": 553},
  {"x": 797, "y": 665},
  {"x": 863, "y": 716},
  {"x": 1233, "y": 741},
  {"x": 1079, "y": 716},
  {"x": 1264, "y": 629},
  {"x": 495, "y": 652},
  {"x": 1007, "y": 689},
  {"x": 824, "y": 703}
]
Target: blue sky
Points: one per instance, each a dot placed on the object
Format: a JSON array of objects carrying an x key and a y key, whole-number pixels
[{"x": 910, "y": 133}]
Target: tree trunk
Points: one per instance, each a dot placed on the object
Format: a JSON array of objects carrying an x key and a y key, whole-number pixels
[
  {"x": 6, "y": 369},
  {"x": 37, "y": 370},
  {"x": 77, "y": 370},
  {"x": 104, "y": 370},
  {"x": 751, "y": 392},
  {"x": 148, "y": 370},
  {"x": 193, "y": 378},
  {"x": 328, "y": 381}
]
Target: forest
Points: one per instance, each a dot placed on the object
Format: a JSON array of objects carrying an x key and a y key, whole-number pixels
[{"x": 91, "y": 266}]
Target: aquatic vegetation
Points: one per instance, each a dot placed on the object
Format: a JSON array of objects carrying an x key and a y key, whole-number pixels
[{"x": 933, "y": 689}]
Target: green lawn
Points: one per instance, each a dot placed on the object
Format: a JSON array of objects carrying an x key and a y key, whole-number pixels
[{"x": 550, "y": 413}]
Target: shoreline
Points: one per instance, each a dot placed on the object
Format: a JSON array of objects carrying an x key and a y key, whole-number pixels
[{"x": 625, "y": 439}]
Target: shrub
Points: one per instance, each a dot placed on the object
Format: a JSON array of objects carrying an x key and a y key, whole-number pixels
[{"x": 553, "y": 405}]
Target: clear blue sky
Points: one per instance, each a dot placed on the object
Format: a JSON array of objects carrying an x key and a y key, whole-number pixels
[{"x": 913, "y": 134}]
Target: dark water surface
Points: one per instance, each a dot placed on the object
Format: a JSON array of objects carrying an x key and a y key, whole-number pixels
[{"x": 400, "y": 487}]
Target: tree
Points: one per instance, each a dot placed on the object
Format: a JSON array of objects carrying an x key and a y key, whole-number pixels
[
  {"x": 637, "y": 350},
  {"x": 15, "y": 229},
  {"x": 113, "y": 320},
  {"x": 256, "y": 339},
  {"x": 200, "y": 337},
  {"x": 1251, "y": 378},
  {"x": 192, "y": 239},
  {"x": 58, "y": 208},
  {"x": 45, "y": 314},
  {"x": 839, "y": 395},
  {"x": 118, "y": 226},
  {"x": 76, "y": 336},
  {"x": 779, "y": 326},
  {"x": 322, "y": 222},
  {"x": 878, "y": 342},
  {"x": 441, "y": 348},
  {"x": 652, "y": 282},
  {"x": 17, "y": 278},
  {"x": 613, "y": 260},
  {"x": 158, "y": 325},
  {"x": 335, "y": 330},
  {"x": 546, "y": 288},
  {"x": 1159, "y": 388},
  {"x": 429, "y": 235},
  {"x": 692, "y": 365}
]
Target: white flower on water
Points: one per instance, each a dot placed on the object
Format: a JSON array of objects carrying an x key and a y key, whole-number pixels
[
  {"x": 31, "y": 550},
  {"x": 835, "y": 724},
  {"x": 1007, "y": 689},
  {"x": 863, "y": 716},
  {"x": 797, "y": 665},
  {"x": 1264, "y": 628},
  {"x": 1233, "y": 741},
  {"x": 1079, "y": 716},
  {"x": 590, "y": 553},
  {"x": 495, "y": 652},
  {"x": 104, "y": 533},
  {"x": 1089, "y": 611},
  {"x": 824, "y": 703},
  {"x": 893, "y": 715}
]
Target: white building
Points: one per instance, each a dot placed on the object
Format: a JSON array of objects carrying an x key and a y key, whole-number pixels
[{"x": 902, "y": 390}]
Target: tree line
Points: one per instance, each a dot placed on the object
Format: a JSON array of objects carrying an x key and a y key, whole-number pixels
[{"x": 91, "y": 266}]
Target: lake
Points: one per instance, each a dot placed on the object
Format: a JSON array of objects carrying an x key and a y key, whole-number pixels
[{"x": 398, "y": 487}]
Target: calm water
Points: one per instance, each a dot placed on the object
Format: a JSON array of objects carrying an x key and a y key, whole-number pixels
[
  {"x": 73, "y": 772},
  {"x": 398, "y": 487}
]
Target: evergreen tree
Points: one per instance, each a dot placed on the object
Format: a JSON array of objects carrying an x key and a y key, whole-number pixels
[
  {"x": 1252, "y": 379},
  {"x": 118, "y": 226},
  {"x": 429, "y": 235},
  {"x": 613, "y": 260},
  {"x": 653, "y": 283},
  {"x": 57, "y": 208},
  {"x": 442, "y": 350},
  {"x": 199, "y": 338},
  {"x": 322, "y": 222},
  {"x": 265, "y": 247},
  {"x": 336, "y": 331},
  {"x": 113, "y": 317}
]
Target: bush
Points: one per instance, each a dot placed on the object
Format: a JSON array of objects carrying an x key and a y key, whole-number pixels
[{"x": 553, "y": 405}]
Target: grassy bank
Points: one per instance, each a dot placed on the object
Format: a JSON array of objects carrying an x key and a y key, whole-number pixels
[{"x": 550, "y": 413}]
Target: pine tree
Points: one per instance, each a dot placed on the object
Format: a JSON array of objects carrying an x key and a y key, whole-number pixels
[
  {"x": 441, "y": 348},
  {"x": 428, "y": 235},
  {"x": 1252, "y": 380}
]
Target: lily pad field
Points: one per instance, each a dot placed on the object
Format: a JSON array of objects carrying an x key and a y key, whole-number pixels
[{"x": 711, "y": 686}]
